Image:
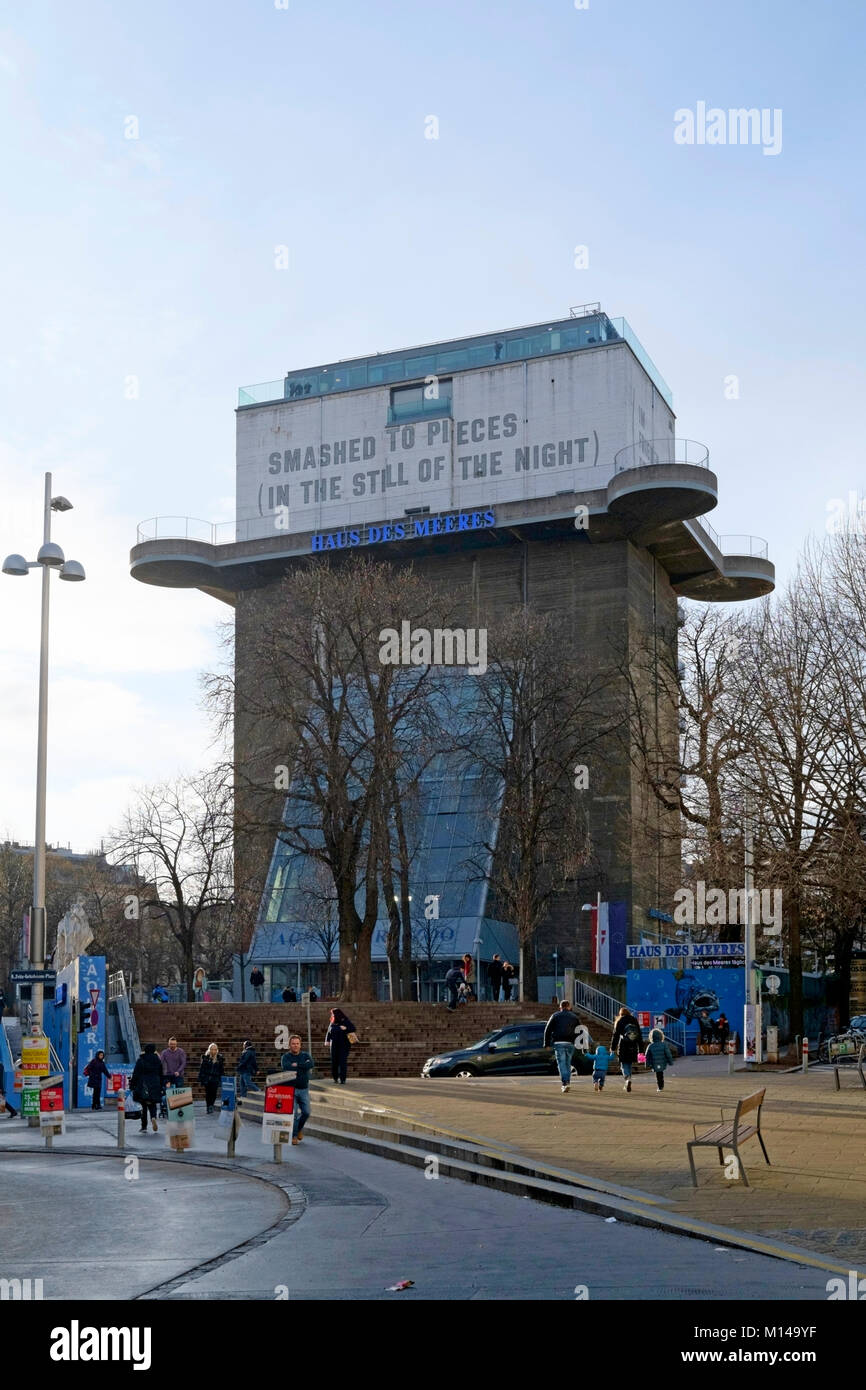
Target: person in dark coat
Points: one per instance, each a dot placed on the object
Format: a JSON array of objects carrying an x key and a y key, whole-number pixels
[
  {"x": 454, "y": 978},
  {"x": 248, "y": 1065},
  {"x": 626, "y": 1042},
  {"x": 297, "y": 1060},
  {"x": 95, "y": 1071},
  {"x": 723, "y": 1030},
  {"x": 146, "y": 1084},
  {"x": 508, "y": 975},
  {"x": 337, "y": 1039},
  {"x": 289, "y": 996},
  {"x": 4, "y": 1104},
  {"x": 494, "y": 971},
  {"x": 2, "y": 1005},
  {"x": 210, "y": 1074},
  {"x": 705, "y": 1023},
  {"x": 257, "y": 981}
]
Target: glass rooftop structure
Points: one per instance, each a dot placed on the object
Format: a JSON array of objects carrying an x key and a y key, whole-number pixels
[{"x": 456, "y": 355}]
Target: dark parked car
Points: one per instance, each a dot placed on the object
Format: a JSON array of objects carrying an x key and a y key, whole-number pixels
[{"x": 517, "y": 1050}]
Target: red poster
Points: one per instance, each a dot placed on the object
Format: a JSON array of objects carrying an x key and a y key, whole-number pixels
[
  {"x": 279, "y": 1100},
  {"x": 51, "y": 1098}
]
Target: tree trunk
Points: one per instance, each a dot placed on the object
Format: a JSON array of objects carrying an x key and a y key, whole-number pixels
[
  {"x": 795, "y": 967},
  {"x": 528, "y": 972},
  {"x": 843, "y": 950}
]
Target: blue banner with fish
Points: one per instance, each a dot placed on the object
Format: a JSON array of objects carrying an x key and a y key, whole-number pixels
[{"x": 685, "y": 994}]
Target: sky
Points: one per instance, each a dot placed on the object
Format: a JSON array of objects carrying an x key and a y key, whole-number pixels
[{"x": 155, "y": 157}]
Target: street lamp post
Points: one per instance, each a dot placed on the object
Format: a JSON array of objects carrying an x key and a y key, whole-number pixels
[{"x": 49, "y": 557}]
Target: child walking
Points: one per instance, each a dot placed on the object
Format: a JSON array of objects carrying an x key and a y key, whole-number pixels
[
  {"x": 600, "y": 1059},
  {"x": 659, "y": 1056}
]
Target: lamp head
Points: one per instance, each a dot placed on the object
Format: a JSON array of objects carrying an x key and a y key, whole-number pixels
[
  {"x": 50, "y": 554},
  {"x": 61, "y": 504},
  {"x": 15, "y": 564},
  {"x": 72, "y": 570}
]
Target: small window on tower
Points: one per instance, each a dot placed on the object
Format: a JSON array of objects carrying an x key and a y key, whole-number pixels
[{"x": 431, "y": 397}]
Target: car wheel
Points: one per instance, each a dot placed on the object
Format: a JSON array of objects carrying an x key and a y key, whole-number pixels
[{"x": 465, "y": 1072}]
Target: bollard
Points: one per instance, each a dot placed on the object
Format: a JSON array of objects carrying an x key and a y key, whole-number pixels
[
  {"x": 49, "y": 1139},
  {"x": 836, "y": 1074},
  {"x": 121, "y": 1120},
  {"x": 805, "y": 1054},
  {"x": 230, "y": 1148},
  {"x": 278, "y": 1153},
  {"x": 730, "y": 1056}
]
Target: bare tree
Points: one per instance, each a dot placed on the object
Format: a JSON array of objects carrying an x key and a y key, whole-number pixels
[
  {"x": 178, "y": 835},
  {"x": 340, "y": 720},
  {"x": 539, "y": 717}
]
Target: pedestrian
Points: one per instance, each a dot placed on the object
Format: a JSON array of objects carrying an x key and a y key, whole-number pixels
[
  {"x": 723, "y": 1030},
  {"x": 508, "y": 974},
  {"x": 247, "y": 1067},
  {"x": 146, "y": 1085},
  {"x": 199, "y": 985},
  {"x": 2, "y": 1006},
  {"x": 314, "y": 998},
  {"x": 4, "y": 1104},
  {"x": 705, "y": 1023},
  {"x": 600, "y": 1062},
  {"x": 626, "y": 1042},
  {"x": 257, "y": 980},
  {"x": 494, "y": 971},
  {"x": 95, "y": 1071},
  {"x": 454, "y": 978},
  {"x": 339, "y": 1039},
  {"x": 559, "y": 1033},
  {"x": 468, "y": 968},
  {"x": 210, "y": 1075},
  {"x": 296, "y": 1059},
  {"x": 173, "y": 1060},
  {"x": 159, "y": 995},
  {"x": 659, "y": 1056},
  {"x": 289, "y": 996}
]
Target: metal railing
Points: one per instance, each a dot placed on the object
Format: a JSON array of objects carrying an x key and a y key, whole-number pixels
[
  {"x": 593, "y": 1001},
  {"x": 116, "y": 985},
  {"x": 731, "y": 544},
  {"x": 667, "y": 449}
]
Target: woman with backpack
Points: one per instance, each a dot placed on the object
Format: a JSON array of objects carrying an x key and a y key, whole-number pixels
[
  {"x": 210, "y": 1074},
  {"x": 626, "y": 1042},
  {"x": 95, "y": 1071},
  {"x": 146, "y": 1085}
]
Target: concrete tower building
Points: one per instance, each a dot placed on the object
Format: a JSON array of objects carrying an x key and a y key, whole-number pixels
[{"x": 535, "y": 465}]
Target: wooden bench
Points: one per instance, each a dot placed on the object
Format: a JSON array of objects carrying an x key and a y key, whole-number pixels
[
  {"x": 730, "y": 1134},
  {"x": 859, "y": 1062}
]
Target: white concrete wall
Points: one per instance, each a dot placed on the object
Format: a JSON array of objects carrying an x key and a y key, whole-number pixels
[{"x": 599, "y": 399}]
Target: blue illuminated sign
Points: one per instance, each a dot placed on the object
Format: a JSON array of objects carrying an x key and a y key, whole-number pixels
[{"x": 414, "y": 528}]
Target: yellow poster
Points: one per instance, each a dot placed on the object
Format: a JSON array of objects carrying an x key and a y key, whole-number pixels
[{"x": 34, "y": 1057}]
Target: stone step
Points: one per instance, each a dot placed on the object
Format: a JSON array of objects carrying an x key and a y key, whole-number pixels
[{"x": 430, "y": 1142}]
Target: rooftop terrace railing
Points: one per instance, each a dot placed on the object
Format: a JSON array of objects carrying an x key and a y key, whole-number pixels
[
  {"x": 731, "y": 544},
  {"x": 441, "y": 359},
  {"x": 667, "y": 449}
]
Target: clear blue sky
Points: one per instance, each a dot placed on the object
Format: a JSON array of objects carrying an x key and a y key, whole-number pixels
[{"x": 258, "y": 127}]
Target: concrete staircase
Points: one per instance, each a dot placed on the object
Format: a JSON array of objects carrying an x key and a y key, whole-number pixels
[{"x": 356, "y": 1123}]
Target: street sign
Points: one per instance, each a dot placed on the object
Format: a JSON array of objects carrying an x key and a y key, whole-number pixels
[
  {"x": 33, "y": 977},
  {"x": 35, "y": 1059},
  {"x": 29, "y": 1101},
  {"x": 278, "y": 1076},
  {"x": 51, "y": 1110},
  {"x": 278, "y": 1117},
  {"x": 180, "y": 1125}
]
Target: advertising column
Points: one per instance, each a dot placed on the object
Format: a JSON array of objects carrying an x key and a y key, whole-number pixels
[{"x": 92, "y": 1008}]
